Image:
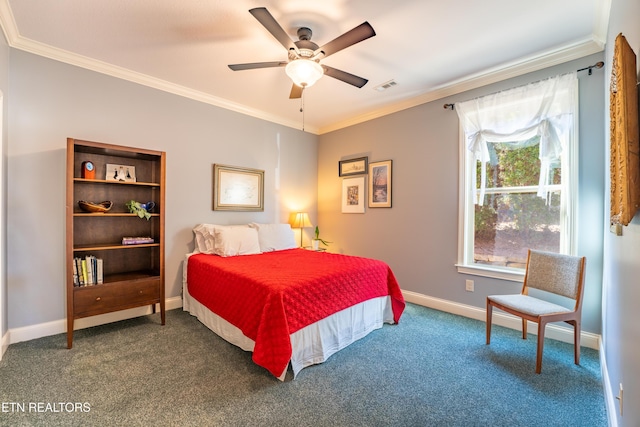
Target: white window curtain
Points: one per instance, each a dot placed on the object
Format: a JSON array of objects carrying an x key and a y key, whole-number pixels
[{"x": 544, "y": 109}]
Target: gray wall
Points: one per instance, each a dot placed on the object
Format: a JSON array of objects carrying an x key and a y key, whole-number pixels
[
  {"x": 418, "y": 236},
  {"x": 52, "y": 101},
  {"x": 621, "y": 333}
]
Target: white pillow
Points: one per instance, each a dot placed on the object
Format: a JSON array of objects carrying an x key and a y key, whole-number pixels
[
  {"x": 205, "y": 239},
  {"x": 205, "y": 236},
  {"x": 236, "y": 240},
  {"x": 274, "y": 237}
]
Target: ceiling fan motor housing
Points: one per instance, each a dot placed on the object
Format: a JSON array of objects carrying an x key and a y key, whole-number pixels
[{"x": 305, "y": 46}]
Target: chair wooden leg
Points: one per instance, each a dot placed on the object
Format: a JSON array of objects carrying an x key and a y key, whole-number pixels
[
  {"x": 541, "y": 327},
  {"x": 524, "y": 329},
  {"x": 489, "y": 319}
]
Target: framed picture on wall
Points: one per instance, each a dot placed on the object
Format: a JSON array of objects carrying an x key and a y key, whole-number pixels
[
  {"x": 237, "y": 189},
  {"x": 380, "y": 184},
  {"x": 353, "y": 195},
  {"x": 352, "y": 166}
]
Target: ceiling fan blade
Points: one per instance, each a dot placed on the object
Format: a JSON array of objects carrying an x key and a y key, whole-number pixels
[
  {"x": 254, "y": 65},
  {"x": 351, "y": 37},
  {"x": 296, "y": 92},
  {"x": 269, "y": 22},
  {"x": 344, "y": 76}
]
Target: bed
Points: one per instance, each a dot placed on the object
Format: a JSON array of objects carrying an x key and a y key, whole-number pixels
[{"x": 293, "y": 307}]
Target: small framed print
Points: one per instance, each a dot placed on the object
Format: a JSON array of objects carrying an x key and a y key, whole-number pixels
[
  {"x": 380, "y": 184},
  {"x": 121, "y": 173},
  {"x": 353, "y": 195},
  {"x": 352, "y": 166},
  {"x": 237, "y": 189}
]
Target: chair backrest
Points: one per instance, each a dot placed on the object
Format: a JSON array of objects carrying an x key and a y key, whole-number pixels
[{"x": 556, "y": 273}]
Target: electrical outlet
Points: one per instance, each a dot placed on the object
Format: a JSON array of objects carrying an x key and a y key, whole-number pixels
[{"x": 469, "y": 285}]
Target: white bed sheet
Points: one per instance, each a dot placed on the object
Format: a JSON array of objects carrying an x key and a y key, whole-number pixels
[{"x": 312, "y": 344}]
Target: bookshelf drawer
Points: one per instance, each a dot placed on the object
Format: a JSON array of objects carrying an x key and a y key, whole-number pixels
[{"x": 99, "y": 299}]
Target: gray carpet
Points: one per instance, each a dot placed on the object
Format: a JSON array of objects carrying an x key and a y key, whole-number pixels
[{"x": 433, "y": 369}]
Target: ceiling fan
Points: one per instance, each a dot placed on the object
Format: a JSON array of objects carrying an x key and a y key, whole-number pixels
[{"x": 303, "y": 66}]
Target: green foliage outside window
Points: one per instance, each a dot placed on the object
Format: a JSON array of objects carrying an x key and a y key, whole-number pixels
[{"x": 533, "y": 219}]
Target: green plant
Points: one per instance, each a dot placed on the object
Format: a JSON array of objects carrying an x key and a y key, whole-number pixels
[
  {"x": 138, "y": 209},
  {"x": 324, "y": 242}
]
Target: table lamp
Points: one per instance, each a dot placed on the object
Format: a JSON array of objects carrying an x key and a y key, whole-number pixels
[{"x": 300, "y": 220}]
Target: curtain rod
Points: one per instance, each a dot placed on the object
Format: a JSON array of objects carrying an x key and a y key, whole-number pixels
[{"x": 598, "y": 64}]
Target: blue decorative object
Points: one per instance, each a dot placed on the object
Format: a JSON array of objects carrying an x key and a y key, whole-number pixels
[{"x": 148, "y": 206}]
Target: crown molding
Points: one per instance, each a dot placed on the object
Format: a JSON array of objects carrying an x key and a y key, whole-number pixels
[
  {"x": 601, "y": 26},
  {"x": 8, "y": 22},
  {"x": 502, "y": 72}
]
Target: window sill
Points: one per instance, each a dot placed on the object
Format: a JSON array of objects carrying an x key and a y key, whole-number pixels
[{"x": 512, "y": 274}]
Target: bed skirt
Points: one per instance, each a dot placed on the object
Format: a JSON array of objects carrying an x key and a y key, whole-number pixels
[{"x": 312, "y": 344}]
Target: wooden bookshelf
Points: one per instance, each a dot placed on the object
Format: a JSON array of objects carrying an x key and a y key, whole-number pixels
[{"x": 133, "y": 274}]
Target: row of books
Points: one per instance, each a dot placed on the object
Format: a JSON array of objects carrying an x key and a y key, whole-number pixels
[{"x": 88, "y": 271}]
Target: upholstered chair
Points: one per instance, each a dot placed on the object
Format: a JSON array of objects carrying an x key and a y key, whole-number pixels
[{"x": 554, "y": 274}]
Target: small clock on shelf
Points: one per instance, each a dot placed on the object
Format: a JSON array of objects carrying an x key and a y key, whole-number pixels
[{"x": 88, "y": 170}]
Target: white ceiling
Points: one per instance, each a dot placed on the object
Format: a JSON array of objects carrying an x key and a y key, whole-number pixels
[{"x": 430, "y": 48}]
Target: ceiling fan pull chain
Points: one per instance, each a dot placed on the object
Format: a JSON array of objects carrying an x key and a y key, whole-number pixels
[{"x": 302, "y": 107}]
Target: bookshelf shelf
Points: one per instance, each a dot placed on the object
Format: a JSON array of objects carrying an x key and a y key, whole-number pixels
[
  {"x": 108, "y": 214},
  {"x": 104, "y": 181},
  {"x": 114, "y": 246},
  {"x": 130, "y": 275}
]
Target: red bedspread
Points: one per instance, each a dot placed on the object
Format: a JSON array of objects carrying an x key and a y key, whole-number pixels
[{"x": 272, "y": 295}]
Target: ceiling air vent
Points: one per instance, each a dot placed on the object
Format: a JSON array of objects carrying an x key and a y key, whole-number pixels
[{"x": 385, "y": 86}]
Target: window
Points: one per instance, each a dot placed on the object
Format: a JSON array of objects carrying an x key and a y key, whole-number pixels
[{"x": 518, "y": 154}]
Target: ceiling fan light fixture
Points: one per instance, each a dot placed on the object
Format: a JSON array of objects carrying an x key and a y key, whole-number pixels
[{"x": 304, "y": 72}]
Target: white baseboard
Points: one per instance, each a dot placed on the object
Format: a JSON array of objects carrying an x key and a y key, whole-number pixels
[
  {"x": 587, "y": 339},
  {"x": 32, "y": 332},
  {"x": 4, "y": 344},
  {"x": 609, "y": 399}
]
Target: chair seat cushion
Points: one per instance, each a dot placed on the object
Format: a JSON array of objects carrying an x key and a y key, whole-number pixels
[{"x": 528, "y": 305}]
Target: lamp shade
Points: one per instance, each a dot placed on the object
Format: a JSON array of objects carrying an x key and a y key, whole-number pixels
[
  {"x": 300, "y": 220},
  {"x": 304, "y": 72}
]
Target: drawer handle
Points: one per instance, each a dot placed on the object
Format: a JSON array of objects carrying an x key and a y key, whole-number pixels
[
  {"x": 98, "y": 298},
  {"x": 140, "y": 292}
]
